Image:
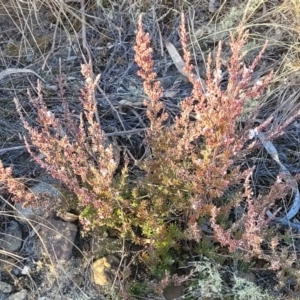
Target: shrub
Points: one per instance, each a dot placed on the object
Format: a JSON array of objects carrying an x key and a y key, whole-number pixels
[
  {"x": 76, "y": 154},
  {"x": 192, "y": 162}
]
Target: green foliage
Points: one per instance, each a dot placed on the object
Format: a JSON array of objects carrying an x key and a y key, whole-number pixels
[
  {"x": 209, "y": 249},
  {"x": 138, "y": 289}
]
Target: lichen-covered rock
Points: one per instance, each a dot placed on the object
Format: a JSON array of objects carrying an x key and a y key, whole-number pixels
[{"x": 58, "y": 238}]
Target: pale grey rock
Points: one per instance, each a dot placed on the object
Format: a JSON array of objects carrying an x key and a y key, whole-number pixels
[
  {"x": 21, "y": 295},
  {"x": 26, "y": 270},
  {"x": 5, "y": 287},
  {"x": 11, "y": 239}
]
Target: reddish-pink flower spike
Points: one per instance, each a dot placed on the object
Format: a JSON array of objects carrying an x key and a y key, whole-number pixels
[{"x": 153, "y": 89}]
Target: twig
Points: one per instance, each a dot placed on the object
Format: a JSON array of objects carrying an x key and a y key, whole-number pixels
[
  {"x": 125, "y": 132},
  {"x": 12, "y": 71},
  {"x": 13, "y": 148}
]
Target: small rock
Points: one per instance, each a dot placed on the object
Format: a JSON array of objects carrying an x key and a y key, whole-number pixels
[
  {"x": 58, "y": 238},
  {"x": 22, "y": 295},
  {"x": 102, "y": 270},
  {"x": 16, "y": 270},
  {"x": 5, "y": 287},
  {"x": 26, "y": 270},
  {"x": 45, "y": 188},
  {"x": 11, "y": 239}
]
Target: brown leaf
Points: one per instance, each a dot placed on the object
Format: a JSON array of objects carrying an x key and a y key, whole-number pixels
[{"x": 179, "y": 63}]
